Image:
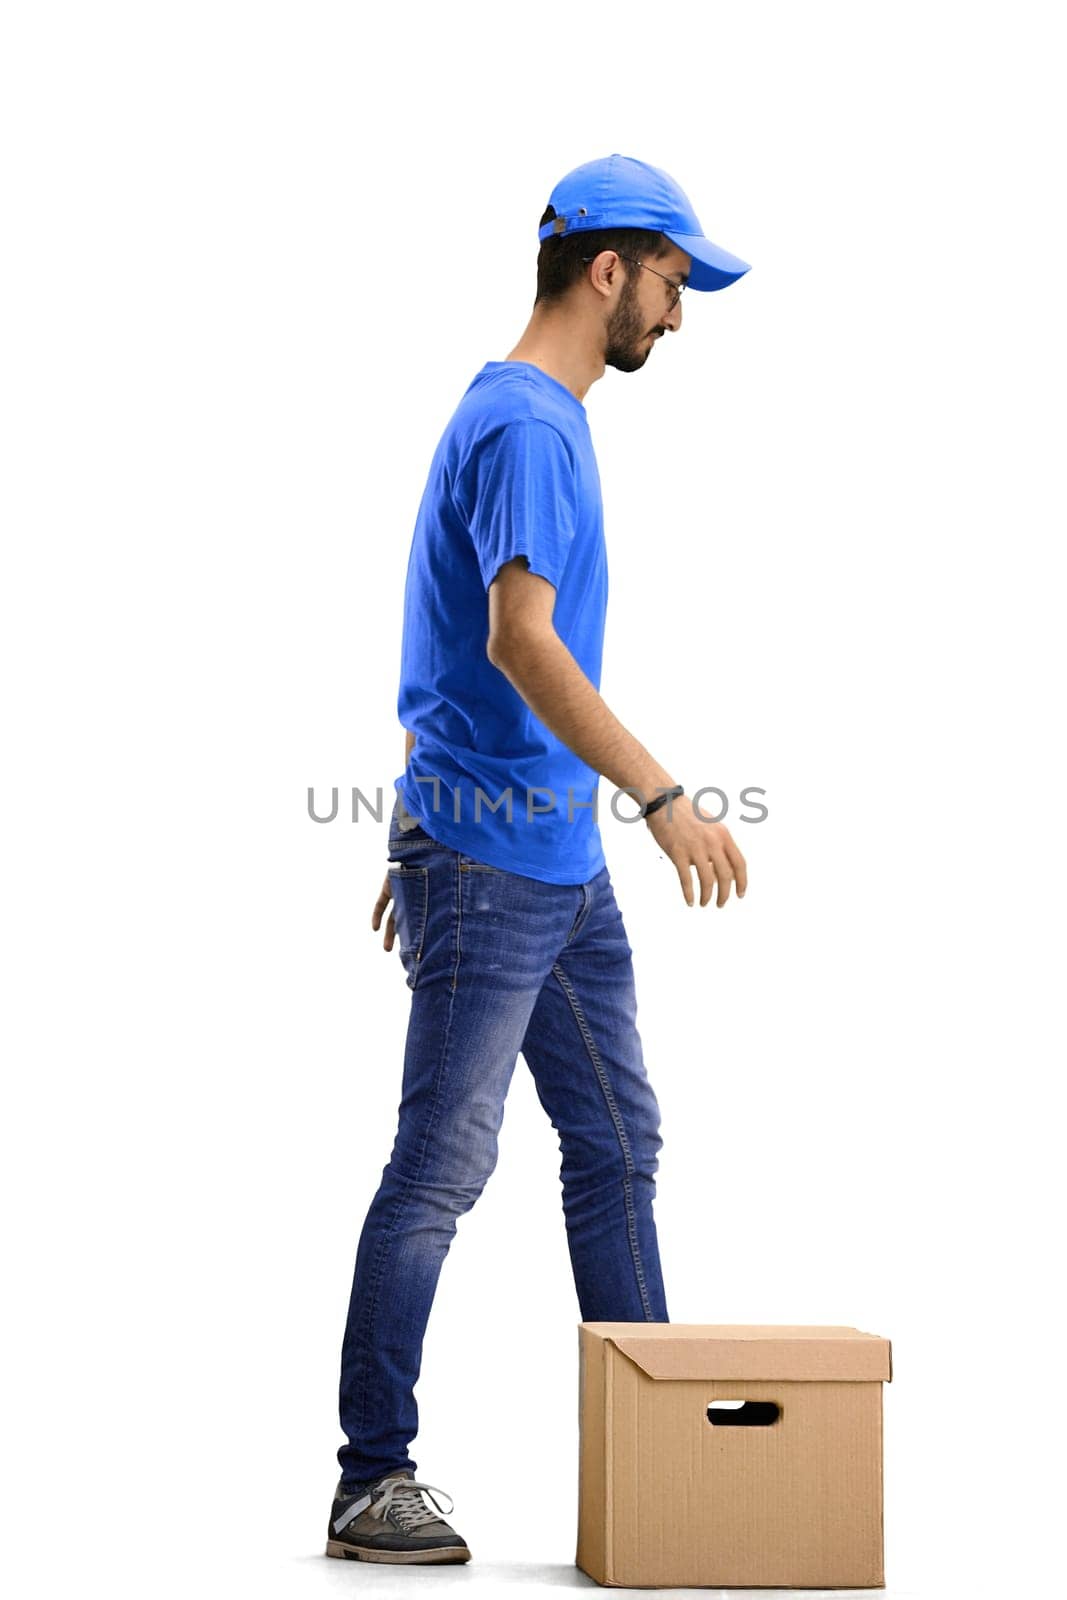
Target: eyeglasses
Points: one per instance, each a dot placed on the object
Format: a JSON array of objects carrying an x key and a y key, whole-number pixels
[{"x": 676, "y": 288}]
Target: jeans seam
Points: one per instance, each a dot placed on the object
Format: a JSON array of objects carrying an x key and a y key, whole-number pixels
[
  {"x": 446, "y": 1041},
  {"x": 583, "y": 912},
  {"x": 372, "y": 1301},
  {"x": 408, "y": 1183},
  {"x": 598, "y": 1068},
  {"x": 457, "y": 921}
]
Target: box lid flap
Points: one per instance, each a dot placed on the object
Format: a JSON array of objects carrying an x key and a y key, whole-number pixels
[{"x": 750, "y": 1351}]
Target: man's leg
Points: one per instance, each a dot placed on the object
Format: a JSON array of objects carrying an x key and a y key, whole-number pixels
[
  {"x": 584, "y": 1051},
  {"x": 477, "y": 945}
]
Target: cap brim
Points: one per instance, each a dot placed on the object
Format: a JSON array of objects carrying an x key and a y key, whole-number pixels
[{"x": 712, "y": 267}]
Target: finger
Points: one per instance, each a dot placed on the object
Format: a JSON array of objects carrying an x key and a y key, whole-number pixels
[
  {"x": 707, "y": 872},
  {"x": 380, "y": 905},
  {"x": 390, "y": 932},
  {"x": 685, "y": 878},
  {"x": 725, "y": 873},
  {"x": 740, "y": 866}
]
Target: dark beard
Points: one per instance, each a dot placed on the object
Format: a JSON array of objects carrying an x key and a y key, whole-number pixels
[{"x": 626, "y": 333}]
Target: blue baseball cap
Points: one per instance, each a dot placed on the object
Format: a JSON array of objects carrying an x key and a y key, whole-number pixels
[{"x": 619, "y": 192}]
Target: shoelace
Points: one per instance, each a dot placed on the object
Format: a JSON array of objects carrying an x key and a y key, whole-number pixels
[{"x": 411, "y": 1511}]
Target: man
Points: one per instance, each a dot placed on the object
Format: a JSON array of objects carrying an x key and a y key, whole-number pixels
[{"x": 509, "y": 933}]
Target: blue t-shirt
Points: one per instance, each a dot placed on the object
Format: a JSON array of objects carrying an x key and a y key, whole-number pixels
[{"x": 514, "y": 474}]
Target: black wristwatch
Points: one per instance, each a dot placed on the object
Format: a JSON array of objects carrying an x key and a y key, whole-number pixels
[{"x": 661, "y": 800}]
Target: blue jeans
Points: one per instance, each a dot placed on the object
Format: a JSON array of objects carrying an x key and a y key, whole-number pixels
[{"x": 498, "y": 963}]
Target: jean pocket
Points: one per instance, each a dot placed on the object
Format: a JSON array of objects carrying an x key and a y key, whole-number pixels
[{"x": 411, "y": 892}]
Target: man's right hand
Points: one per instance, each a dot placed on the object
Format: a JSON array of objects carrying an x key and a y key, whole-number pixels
[
  {"x": 376, "y": 916},
  {"x": 708, "y": 846}
]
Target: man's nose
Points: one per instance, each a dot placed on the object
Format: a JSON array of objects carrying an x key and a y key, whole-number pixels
[{"x": 673, "y": 319}]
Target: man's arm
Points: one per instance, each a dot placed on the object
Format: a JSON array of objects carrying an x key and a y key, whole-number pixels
[
  {"x": 525, "y": 647},
  {"x": 386, "y": 894}
]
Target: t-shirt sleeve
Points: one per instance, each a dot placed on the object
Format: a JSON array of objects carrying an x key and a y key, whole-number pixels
[{"x": 524, "y": 500}]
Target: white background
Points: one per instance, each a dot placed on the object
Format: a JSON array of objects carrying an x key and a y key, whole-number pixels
[{"x": 254, "y": 254}]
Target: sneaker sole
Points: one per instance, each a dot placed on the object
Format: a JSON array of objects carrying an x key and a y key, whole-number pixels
[{"x": 359, "y": 1552}]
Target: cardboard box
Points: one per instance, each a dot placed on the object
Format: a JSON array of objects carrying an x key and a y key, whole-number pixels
[{"x": 781, "y": 1488}]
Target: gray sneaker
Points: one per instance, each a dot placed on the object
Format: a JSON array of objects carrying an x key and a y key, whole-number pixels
[{"x": 388, "y": 1520}]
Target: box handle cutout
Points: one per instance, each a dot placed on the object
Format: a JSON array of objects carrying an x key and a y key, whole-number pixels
[{"x": 743, "y": 1413}]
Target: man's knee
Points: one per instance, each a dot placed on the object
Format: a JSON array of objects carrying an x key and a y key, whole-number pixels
[{"x": 449, "y": 1194}]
